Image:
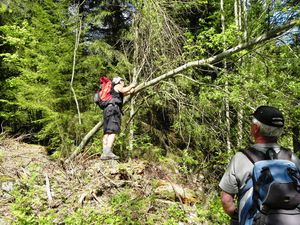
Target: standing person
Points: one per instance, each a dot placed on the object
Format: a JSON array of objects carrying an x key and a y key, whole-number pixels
[
  {"x": 112, "y": 116},
  {"x": 266, "y": 128}
]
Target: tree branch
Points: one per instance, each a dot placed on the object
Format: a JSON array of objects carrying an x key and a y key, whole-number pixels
[{"x": 217, "y": 58}]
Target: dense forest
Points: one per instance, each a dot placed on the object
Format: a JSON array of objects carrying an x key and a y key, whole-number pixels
[{"x": 201, "y": 68}]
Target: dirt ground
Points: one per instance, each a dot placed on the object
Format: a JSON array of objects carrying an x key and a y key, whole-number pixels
[
  {"x": 15, "y": 155},
  {"x": 15, "y": 158}
]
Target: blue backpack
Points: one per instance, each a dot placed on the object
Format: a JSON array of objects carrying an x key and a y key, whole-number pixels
[{"x": 273, "y": 190}]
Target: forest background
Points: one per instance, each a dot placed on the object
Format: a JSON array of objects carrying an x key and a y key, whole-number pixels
[{"x": 201, "y": 68}]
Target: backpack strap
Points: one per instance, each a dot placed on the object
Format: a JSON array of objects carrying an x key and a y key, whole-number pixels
[
  {"x": 265, "y": 177},
  {"x": 284, "y": 154},
  {"x": 253, "y": 155}
]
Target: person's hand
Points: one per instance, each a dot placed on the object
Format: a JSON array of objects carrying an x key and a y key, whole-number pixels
[{"x": 131, "y": 90}]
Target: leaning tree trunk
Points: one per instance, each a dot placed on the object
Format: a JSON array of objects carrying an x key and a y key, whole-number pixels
[{"x": 204, "y": 62}]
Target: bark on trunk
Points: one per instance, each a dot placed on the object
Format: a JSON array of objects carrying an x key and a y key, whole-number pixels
[{"x": 296, "y": 140}]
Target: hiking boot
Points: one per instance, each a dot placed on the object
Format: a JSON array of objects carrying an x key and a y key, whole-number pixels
[{"x": 109, "y": 156}]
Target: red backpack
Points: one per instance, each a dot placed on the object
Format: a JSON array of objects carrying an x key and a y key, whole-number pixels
[{"x": 102, "y": 97}]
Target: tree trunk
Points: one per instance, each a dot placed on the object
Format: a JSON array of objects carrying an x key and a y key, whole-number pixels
[
  {"x": 245, "y": 17},
  {"x": 134, "y": 80},
  {"x": 242, "y": 14},
  {"x": 227, "y": 106},
  {"x": 236, "y": 13},
  {"x": 77, "y": 39},
  {"x": 240, "y": 117},
  {"x": 296, "y": 140}
]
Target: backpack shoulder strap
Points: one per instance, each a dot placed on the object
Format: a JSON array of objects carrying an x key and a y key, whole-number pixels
[
  {"x": 285, "y": 154},
  {"x": 253, "y": 155}
]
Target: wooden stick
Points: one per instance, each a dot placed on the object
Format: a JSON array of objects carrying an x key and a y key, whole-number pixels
[{"x": 48, "y": 190}]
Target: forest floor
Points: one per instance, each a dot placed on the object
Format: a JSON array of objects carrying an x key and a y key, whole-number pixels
[
  {"x": 34, "y": 184},
  {"x": 15, "y": 157}
]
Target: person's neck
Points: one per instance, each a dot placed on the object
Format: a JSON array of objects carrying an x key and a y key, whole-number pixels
[{"x": 265, "y": 140}]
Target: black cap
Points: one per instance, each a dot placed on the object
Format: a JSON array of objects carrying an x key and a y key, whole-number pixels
[{"x": 269, "y": 115}]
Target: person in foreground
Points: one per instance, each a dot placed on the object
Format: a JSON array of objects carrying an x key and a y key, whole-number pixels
[
  {"x": 112, "y": 116},
  {"x": 266, "y": 127}
]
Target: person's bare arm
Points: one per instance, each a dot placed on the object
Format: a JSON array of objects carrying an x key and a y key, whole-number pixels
[
  {"x": 124, "y": 90},
  {"x": 228, "y": 203}
]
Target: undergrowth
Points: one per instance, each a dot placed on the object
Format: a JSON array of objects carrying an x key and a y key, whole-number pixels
[{"x": 126, "y": 206}]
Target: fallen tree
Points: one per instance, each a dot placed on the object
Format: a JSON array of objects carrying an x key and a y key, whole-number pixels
[{"x": 203, "y": 62}]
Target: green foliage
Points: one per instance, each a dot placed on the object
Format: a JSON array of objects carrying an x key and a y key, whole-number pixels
[
  {"x": 213, "y": 211},
  {"x": 142, "y": 147},
  {"x": 127, "y": 210},
  {"x": 218, "y": 216},
  {"x": 29, "y": 200},
  {"x": 123, "y": 209},
  {"x": 187, "y": 162},
  {"x": 125, "y": 206},
  {"x": 3, "y": 7},
  {"x": 39, "y": 57},
  {"x": 176, "y": 214}
]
